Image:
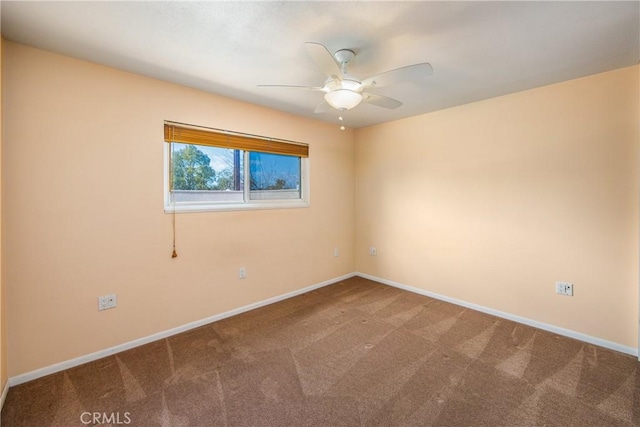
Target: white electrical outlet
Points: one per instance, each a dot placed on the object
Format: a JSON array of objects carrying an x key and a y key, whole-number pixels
[
  {"x": 107, "y": 301},
  {"x": 242, "y": 273},
  {"x": 564, "y": 288},
  {"x": 373, "y": 251},
  {"x": 336, "y": 252}
]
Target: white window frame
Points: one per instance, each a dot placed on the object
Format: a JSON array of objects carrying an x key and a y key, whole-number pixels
[{"x": 247, "y": 204}]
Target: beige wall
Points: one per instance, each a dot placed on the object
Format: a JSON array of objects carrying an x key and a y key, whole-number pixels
[
  {"x": 83, "y": 211},
  {"x": 3, "y": 311},
  {"x": 492, "y": 202}
]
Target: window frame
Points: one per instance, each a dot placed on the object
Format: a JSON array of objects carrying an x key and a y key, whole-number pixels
[{"x": 247, "y": 203}]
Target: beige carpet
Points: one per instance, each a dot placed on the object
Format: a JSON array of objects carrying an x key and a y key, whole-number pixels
[{"x": 356, "y": 353}]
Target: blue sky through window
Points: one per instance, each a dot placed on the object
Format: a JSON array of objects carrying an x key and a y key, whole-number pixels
[
  {"x": 268, "y": 171},
  {"x": 277, "y": 171}
]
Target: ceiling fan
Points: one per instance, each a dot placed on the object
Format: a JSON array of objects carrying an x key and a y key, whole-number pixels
[{"x": 343, "y": 91}]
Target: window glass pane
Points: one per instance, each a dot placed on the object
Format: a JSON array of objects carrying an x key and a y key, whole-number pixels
[
  {"x": 206, "y": 174},
  {"x": 274, "y": 176}
]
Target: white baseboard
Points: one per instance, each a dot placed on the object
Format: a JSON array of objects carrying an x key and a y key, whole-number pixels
[
  {"x": 3, "y": 397},
  {"x": 38, "y": 373},
  {"x": 540, "y": 325},
  {"x": 52, "y": 369}
]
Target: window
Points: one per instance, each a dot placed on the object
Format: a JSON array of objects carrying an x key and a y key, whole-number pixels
[{"x": 208, "y": 169}]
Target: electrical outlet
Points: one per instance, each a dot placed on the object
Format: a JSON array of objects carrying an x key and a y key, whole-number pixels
[
  {"x": 336, "y": 252},
  {"x": 373, "y": 251},
  {"x": 107, "y": 301},
  {"x": 242, "y": 273},
  {"x": 564, "y": 288}
]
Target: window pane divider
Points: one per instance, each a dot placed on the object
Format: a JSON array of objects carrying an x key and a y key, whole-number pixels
[{"x": 247, "y": 177}]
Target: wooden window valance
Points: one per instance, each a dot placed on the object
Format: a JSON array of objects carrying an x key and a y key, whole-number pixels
[{"x": 175, "y": 132}]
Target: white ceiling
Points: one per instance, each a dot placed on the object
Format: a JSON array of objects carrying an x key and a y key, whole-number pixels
[{"x": 478, "y": 50}]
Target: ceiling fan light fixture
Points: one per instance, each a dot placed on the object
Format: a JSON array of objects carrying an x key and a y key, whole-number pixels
[{"x": 343, "y": 99}]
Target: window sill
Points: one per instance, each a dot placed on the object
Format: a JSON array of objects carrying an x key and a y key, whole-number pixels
[{"x": 244, "y": 206}]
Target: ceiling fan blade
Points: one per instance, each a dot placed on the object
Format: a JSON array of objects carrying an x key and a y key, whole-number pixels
[
  {"x": 324, "y": 59},
  {"x": 399, "y": 75},
  {"x": 323, "y": 107},
  {"x": 381, "y": 101},
  {"x": 317, "y": 89}
]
